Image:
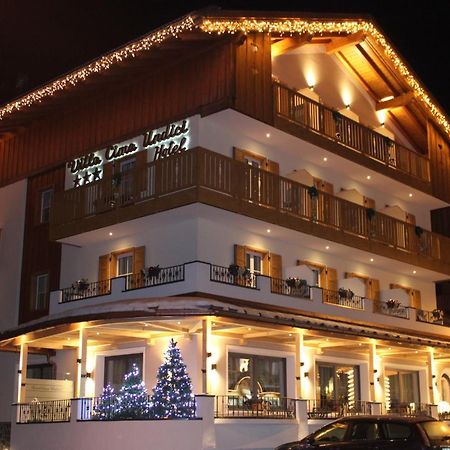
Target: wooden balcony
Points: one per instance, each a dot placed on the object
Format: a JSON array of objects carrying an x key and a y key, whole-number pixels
[
  {"x": 378, "y": 152},
  {"x": 203, "y": 176}
]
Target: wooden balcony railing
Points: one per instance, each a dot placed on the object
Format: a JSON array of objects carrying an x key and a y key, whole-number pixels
[
  {"x": 205, "y": 176},
  {"x": 329, "y": 123}
]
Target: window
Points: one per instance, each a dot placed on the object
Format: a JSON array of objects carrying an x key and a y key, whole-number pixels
[
  {"x": 403, "y": 389},
  {"x": 41, "y": 371},
  {"x": 253, "y": 262},
  {"x": 125, "y": 267},
  {"x": 445, "y": 388},
  {"x": 116, "y": 367},
  {"x": 40, "y": 300},
  {"x": 365, "y": 431},
  {"x": 397, "y": 430},
  {"x": 252, "y": 376},
  {"x": 46, "y": 203},
  {"x": 338, "y": 384},
  {"x": 332, "y": 433}
]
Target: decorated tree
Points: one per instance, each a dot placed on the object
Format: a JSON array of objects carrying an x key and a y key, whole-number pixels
[
  {"x": 132, "y": 401},
  {"x": 172, "y": 396},
  {"x": 106, "y": 408}
]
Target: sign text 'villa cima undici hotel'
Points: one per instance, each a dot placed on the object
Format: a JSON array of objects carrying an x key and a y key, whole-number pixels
[{"x": 159, "y": 144}]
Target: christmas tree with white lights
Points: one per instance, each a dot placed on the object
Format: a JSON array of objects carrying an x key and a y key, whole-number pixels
[
  {"x": 107, "y": 406},
  {"x": 132, "y": 401},
  {"x": 172, "y": 396}
]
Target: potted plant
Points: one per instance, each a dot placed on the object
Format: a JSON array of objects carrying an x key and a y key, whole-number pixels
[
  {"x": 437, "y": 314},
  {"x": 392, "y": 304},
  {"x": 233, "y": 269},
  {"x": 293, "y": 282},
  {"x": 245, "y": 273},
  {"x": 154, "y": 271},
  {"x": 370, "y": 213},
  {"x": 313, "y": 192},
  {"x": 418, "y": 230},
  {"x": 116, "y": 180}
]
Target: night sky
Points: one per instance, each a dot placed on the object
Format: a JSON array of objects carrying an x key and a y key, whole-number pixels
[{"x": 41, "y": 39}]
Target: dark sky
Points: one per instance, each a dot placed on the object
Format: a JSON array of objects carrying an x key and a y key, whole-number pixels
[{"x": 41, "y": 39}]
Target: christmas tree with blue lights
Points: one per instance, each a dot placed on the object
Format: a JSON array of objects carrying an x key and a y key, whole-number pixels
[
  {"x": 132, "y": 401},
  {"x": 172, "y": 396},
  {"x": 107, "y": 406}
]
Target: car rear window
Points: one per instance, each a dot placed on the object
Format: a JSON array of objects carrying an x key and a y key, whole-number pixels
[
  {"x": 398, "y": 430},
  {"x": 436, "y": 430}
]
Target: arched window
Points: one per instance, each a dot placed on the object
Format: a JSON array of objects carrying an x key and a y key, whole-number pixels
[{"x": 445, "y": 388}]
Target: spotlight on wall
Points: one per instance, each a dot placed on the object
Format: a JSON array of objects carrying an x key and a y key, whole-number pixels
[
  {"x": 213, "y": 366},
  {"x": 302, "y": 364},
  {"x": 208, "y": 355},
  {"x": 311, "y": 87},
  {"x": 306, "y": 374}
]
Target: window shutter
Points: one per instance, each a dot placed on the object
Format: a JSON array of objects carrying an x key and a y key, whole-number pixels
[
  {"x": 373, "y": 289},
  {"x": 266, "y": 264},
  {"x": 415, "y": 299},
  {"x": 411, "y": 218},
  {"x": 272, "y": 166},
  {"x": 138, "y": 259},
  {"x": 275, "y": 267},
  {"x": 239, "y": 255},
  {"x": 328, "y": 279},
  {"x": 113, "y": 265},
  {"x": 239, "y": 155},
  {"x": 103, "y": 268}
]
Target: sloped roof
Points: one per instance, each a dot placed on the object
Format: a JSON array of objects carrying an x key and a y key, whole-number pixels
[{"x": 397, "y": 75}]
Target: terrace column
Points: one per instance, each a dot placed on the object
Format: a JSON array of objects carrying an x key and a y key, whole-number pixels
[
  {"x": 206, "y": 338},
  {"x": 373, "y": 370},
  {"x": 22, "y": 374},
  {"x": 431, "y": 374},
  {"x": 299, "y": 362},
  {"x": 80, "y": 386}
]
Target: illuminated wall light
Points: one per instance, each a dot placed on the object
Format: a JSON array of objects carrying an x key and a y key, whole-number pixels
[
  {"x": 267, "y": 135},
  {"x": 347, "y": 106},
  {"x": 385, "y": 99},
  {"x": 325, "y": 158},
  {"x": 410, "y": 195}
]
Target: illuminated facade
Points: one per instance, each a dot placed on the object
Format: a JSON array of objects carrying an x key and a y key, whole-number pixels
[{"x": 274, "y": 196}]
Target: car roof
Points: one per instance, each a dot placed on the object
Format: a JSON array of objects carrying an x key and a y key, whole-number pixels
[{"x": 389, "y": 418}]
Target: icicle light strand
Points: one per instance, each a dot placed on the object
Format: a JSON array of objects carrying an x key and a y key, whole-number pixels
[
  {"x": 314, "y": 27},
  {"x": 104, "y": 63}
]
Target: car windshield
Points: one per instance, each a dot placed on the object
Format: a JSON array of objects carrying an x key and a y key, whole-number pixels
[{"x": 436, "y": 431}]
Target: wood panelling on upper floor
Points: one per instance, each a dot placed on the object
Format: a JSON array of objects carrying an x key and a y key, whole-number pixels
[{"x": 196, "y": 84}]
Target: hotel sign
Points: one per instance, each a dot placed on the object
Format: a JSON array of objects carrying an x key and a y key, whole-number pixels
[{"x": 160, "y": 143}]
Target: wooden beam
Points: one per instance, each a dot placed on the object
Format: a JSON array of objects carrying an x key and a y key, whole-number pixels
[
  {"x": 289, "y": 43},
  {"x": 396, "y": 102},
  {"x": 350, "y": 40}
]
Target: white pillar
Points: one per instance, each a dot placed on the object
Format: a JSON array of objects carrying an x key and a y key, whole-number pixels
[
  {"x": 373, "y": 371},
  {"x": 431, "y": 374},
  {"x": 22, "y": 374},
  {"x": 301, "y": 414},
  {"x": 80, "y": 386},
  {"x": 206, "y": 337},
  {"x": 299, "y": 362},
  {"x": 205, "y": 411}
]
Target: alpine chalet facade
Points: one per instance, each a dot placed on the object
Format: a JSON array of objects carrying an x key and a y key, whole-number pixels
[{"x": 271, "y": 192}]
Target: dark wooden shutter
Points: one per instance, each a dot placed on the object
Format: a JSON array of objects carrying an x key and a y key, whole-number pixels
[
  {"x": 239, "y": 255},
  {"x": 272, "y": 166}
]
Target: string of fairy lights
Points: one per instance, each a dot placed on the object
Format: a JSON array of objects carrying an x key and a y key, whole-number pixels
[
  {"x": 221, "y": 26},
  {"x": 100, "y": 65},
  {"x": 315, "y": 27}
]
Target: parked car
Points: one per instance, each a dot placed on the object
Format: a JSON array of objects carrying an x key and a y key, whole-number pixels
[{"x": 377, "y": 433}]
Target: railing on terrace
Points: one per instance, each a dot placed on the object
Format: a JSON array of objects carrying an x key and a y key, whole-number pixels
[
  {"x": 291, "y": 287},
  {"x": 273, "y": 407},
  {"x": 346, "y": 299},
  {"x": 44, "y": 412},
  {"x": 329, "y": 123},
  {"x": 242, "y": 277},
  {"x": 82, "y": 290},
  {"x": 230, "y": 180},
  {"x": 98, "y": 408},
  {"x": 436, "y": 316},
  {"x": 331, "y": 409},
  {"x": 408, "y": 409},
  {"x": 155, "y": 276},
  {"x": 392, "y": 308}
]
